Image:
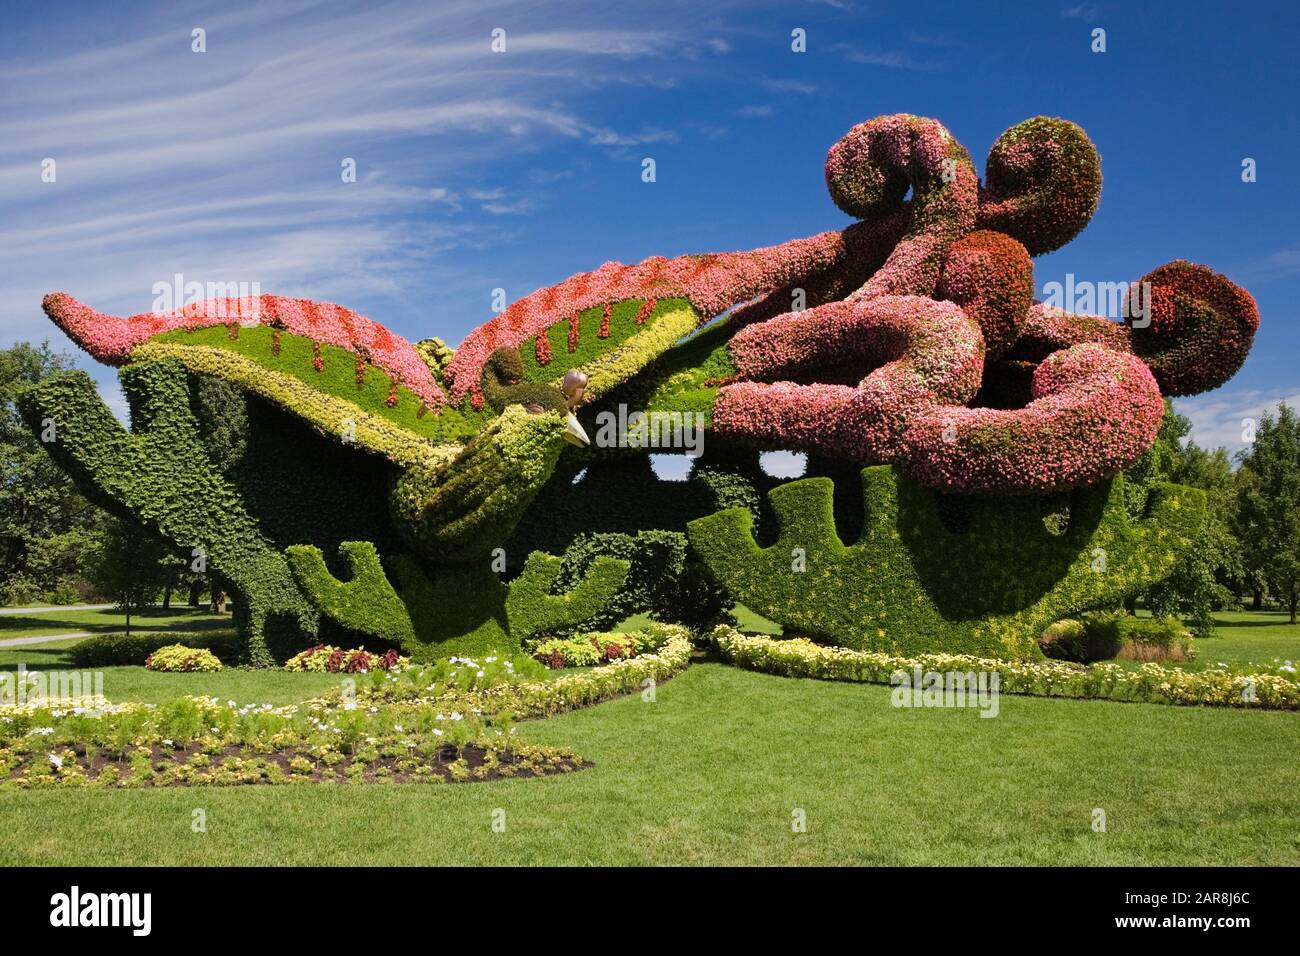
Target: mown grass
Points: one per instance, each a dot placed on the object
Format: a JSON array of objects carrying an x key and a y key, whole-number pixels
[
  {"x": 123, "y": 683},
  {"x": 108, "y": 620},
  {"x": 714, "y": 769},
  {"x": 1251, "y": 636}
]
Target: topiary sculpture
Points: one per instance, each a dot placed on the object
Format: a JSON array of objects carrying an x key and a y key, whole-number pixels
[{"x": 908, "y": 339}]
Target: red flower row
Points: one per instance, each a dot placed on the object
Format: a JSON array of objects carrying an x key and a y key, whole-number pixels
[{"x": 111, "y": 339}]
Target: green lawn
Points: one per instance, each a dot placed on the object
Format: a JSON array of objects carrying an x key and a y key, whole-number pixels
[
  {"x": 1258, "y": 636},
  {"x": 245, "y": 685},
  {"x": 713, "y": 770},
  {"x": 108, "y": 620}
]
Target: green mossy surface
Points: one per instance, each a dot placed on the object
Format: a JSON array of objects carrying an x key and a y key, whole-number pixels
[{"x": 911, "y": 585}]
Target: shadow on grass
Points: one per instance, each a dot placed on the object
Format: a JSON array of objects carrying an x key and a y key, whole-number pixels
[
  {"x": 1280, "y": 621},
  {"x": 108, "y": 620}
]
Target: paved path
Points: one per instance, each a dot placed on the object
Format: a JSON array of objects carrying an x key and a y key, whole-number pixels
[
  {"x": 46, "y": 610},
  {"x": 18, "y": 641}
]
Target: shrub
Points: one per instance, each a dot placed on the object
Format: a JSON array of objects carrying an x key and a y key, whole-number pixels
[
  {"x": 1155, "y": 639},
  {"x": 111, "y": 650},
  {"x": 64, "y": 593},
  {"x": 323, "y": 659},
  {"x": 664, "y": 579},
  {"x": 668, "y": 653},
  {"x": 162, "y": 469},
  {"x": 19, "y": 591},
  {"x": 1103, "y": 635},
  {"x": 177, "y": 658},
  {"x": 1064, "y": 640},
  {"x": 586, "y": 650},
  {"x": 1095, "y": 638},
  {"x": 911, "y": 585}
]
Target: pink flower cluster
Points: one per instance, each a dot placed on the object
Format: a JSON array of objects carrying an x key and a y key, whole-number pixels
[
  {"x": 1094, "y": 406},
  {"x": 1093, "y": 410},
  {"x": 1044, "y": 183},
  {"x": 711, "y": 283},
  {"x": 1200, "y": 329},
  {"x": 869, "y": 171},
  {"x": 110, "y": 339},
  {"x": 926, "y": 353},
  {"x": 991, "y": 276}
]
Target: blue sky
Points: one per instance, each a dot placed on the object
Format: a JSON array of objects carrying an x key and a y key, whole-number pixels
[{"x": 479, "y": 170}]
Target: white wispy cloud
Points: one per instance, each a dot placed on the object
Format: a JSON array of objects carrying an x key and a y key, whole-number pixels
[
  {"x": 1081, "y": 11},
  {"x": 1278, "y": 265},
  {"x": 892, "y": 59},
  {"x": 1220, "y": 418},
  {"x": 227, "y": 165}
]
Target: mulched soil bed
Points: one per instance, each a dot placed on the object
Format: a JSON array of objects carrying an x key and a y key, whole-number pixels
[{"x": 243, "y": 766}]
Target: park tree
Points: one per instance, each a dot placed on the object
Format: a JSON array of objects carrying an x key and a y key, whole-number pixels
[
  {"x": 1210, "y": 573},
  {"x": 1268, "y": 506},
  {"x": 133, "y": 565},
  {"x": 47, "y": 527}
]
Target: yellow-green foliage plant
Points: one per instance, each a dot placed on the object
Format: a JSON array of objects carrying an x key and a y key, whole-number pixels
[
  {"x": 452, "y": 609},
  {"x": 911, "y": 585}
]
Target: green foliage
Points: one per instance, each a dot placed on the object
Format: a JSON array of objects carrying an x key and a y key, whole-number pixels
[
  {"x": 1115, "y": 634},
  {"x": 340, "y": 417},
  {"x": 532, "y": 608},
  {"x": 177, "y": 658},
  {"x": 113, "y": 650},
  {"x": 1209, "y": 573},
  {"x": 1151, "y": 683},
  {"x": 130, "y": 567},
  {"x": 664, "y": 578},
  {"x": 591, "y": 648},
  {"x": 615, "y": 505},
  {"x": 19, "y": 591},
  {"x": 910, "y": 584},
  {"x": 222, "y": 415},
  {"x": 160, "y": 473},
  {"x": 625, "y": 349},
  {"x": 47, "y": 527},
  {"x": 1268, "y": 519},
  {"x": 503, "y": 384},
  {"x": 365, "y": 603},
  {"x": 1067, "y": 640},
  {"x": 462, "y": 511},
  {"x": 457, "y": 610},
  {"x": 570, "y": 652},
  {"x": 685, "y": 378},
  {"x": 453, "y": 609},
  {"x": 295, "y": 360}
]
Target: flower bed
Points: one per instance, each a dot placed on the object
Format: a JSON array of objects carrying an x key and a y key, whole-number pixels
[
  {"x": 449, "y": 721},
  {"x": 199, "y": 741},
  {"x": 587, "y": 650},
  {"x": 326, "y": 659},
  {"x": 528, "y": 698},
  {"x": 798, "y": 657}
]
